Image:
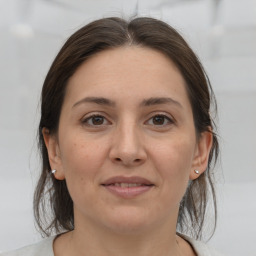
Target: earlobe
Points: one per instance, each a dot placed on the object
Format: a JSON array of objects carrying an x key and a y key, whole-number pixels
[
  {"x": 52, "y": 146},
  {"x": 202, "y": 153}
]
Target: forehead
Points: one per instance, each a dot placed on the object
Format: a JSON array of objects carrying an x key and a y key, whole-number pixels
[{"x": 127, "y": 72}]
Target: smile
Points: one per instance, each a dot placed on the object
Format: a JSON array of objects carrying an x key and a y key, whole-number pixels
[{"x": 128, "y": 187}]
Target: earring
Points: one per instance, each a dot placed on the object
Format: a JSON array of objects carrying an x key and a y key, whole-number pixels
[
  {"x": 196, "y": 171},
  {"x": 53, "y": 171}
]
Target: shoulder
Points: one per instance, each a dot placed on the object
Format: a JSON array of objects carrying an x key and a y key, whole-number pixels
[
  {"x": 201, "y": 248},
  {"x": 43, "y": 248}
]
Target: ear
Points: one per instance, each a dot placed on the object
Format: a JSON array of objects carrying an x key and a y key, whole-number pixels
[
  {"x": 201, "y": 157},
  {"x": 52, "y": 146}
]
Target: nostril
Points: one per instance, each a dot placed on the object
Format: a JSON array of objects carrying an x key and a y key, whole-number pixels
[{"x": 137, "y": 160}]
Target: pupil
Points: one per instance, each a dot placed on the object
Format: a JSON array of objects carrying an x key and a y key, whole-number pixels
[
  {"x": 158, "y": 120},
  {"x": 97, "y": 120}
]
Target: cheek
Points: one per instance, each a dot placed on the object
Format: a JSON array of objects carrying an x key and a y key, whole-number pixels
[
  {"x": 78, "y": 154},
  {"x": 82, "y": 159},
  {"x": 173, "y": 162},
  {"x": 174, "y": 156},
  {"x": 81, "y": 167}
]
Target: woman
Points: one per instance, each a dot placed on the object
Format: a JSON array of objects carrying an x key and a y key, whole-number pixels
[{"x": 127, "y": 144}]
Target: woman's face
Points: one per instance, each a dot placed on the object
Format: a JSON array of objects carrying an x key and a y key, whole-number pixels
[{"x": 126, "y": 143}]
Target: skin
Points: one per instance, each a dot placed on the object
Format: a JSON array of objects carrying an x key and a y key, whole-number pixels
[{"x": 128, "y": 139}]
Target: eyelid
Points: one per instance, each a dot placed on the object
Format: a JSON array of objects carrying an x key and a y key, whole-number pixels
[
  {"x": 94, "y": 114},
  {"x": 170, "y": 119},
  {"x": 84, "y": 119}
]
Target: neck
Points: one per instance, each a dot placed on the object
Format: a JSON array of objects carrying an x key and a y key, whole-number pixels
[
  {"x": 125, "y": 245},
  {"x": 161, "y": 241}
]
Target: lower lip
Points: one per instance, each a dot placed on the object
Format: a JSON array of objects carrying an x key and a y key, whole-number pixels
[{"x": 128, "y": 192}]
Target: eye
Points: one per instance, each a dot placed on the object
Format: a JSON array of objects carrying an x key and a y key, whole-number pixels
[
  {"x": 160, "y": 120},
  {"x": 95, "y": 120}
]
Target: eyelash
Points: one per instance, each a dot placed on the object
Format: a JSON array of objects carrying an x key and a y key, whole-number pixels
[
  {"x": 87, "y": 119},
  {"x": 167, "y": 120}
]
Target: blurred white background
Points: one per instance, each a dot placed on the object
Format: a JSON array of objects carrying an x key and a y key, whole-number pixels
[{"x": 223, "y": 34}]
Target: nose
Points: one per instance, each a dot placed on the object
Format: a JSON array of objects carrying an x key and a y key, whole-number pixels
[{"x": 127, "y": 146}]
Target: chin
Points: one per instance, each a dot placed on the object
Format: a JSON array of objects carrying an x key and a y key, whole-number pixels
[{"x": 128, "y": 221}]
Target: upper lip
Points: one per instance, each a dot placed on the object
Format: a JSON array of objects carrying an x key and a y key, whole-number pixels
[{"x": 129, "y": 180}]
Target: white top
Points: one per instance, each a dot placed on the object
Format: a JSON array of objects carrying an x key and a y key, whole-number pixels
[{"x": 45, "y": 248}]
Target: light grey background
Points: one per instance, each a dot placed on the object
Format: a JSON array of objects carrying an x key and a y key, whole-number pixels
[{"x": 224, "y": 37}]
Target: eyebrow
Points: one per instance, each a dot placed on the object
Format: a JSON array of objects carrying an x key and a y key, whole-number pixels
[
  {"x": 145, "y": 103},
  {"x": 159, "y": 100},
  {"x": 96, "y": 100}
]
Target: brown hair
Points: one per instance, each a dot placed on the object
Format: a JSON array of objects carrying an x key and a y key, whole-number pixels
[{"x": 53, "y": 206}]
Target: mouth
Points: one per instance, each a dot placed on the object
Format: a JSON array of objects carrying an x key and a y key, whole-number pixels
[{"x": 127, "y": 187}]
